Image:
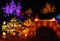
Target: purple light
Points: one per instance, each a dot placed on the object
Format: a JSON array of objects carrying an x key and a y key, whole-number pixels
[{"x": 10, "y": 8}]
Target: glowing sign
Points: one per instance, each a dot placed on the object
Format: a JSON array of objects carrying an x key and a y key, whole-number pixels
[
  {"x": 48, "y": 8},
  {"x": 10, "y": 8}
]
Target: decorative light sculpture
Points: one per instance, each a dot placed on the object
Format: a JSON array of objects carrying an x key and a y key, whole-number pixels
[
  {"x": 10, "y": 8},
  {"x": 48, "y": 8},
  {"x": 28, "y": 22}
]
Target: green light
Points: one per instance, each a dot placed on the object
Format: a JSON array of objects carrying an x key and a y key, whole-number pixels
[{"x": 59, "y": 16}]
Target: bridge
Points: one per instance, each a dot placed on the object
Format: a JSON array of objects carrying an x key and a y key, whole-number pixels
[{"x": 52, "y": 23}]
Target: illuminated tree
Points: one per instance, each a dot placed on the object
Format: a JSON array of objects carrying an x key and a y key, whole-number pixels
[{"x": 10, "y": 8}]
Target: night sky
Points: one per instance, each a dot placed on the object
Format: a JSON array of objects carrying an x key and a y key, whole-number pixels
[{"x": 36, "y": 5}]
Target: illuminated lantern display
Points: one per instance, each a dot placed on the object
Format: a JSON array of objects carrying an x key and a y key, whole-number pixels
[
  {"x": 48, "y": 8},
  {"x": 10, "y": 8},
  {"x": 12, "y": 25}
]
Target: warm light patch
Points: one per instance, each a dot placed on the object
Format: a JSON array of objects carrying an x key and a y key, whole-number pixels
[
  {"x": 36, "y": 19},
  {"x": 25, "y": 35},
  {"x": 28, "y": 22},
  {"x": 48, "y": 8},
  {"x": 53, "y": 19},
  {"x": 4, "y": 33},
  {"x": 29, "y": 11},
  {"x": 25, "y": 31}
]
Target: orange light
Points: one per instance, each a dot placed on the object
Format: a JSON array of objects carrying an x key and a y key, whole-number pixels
[
  {"x": 29, "y": 11},
  {"x": 48, "y": 8},
  {"x": 25, "y": 35},
  {"x": 36, "y": 19},
  {"x": 28, "y": 22},
  {"x": 25, "y": 31},
  {"x": 4, "y": 36},
  {"x": 14, "y": 34}
]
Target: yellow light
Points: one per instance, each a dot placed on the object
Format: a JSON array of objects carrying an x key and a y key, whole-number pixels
[
  {"x": 4, "y": 33},
  {"x": 3, "y": 27},
  {"x": 53, "y": 19},
  {"x": 36, "y": 19}
]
